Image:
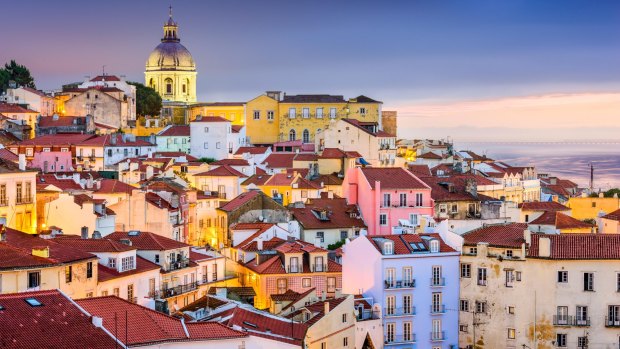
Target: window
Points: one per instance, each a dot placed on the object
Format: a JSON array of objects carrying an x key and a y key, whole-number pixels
[
  {"x": 152, "y": 287},
  {"x": 116, "y": 291},
  {"x": 306, "y": 136},
  {"x": 168, "y": 83},
  {"x": 454, "y": 208},
  {"x": 130, "y": 293},
  {"x": 363, "y": 111},
  {"x": 343, "y": 235},
  {"x": 613, "y": 316},
  {"x": 390, "y": 332},
  {"x": 582, "y": 315},
  {"x": 257, "y": 115},
  {"x": 387, "y": 199},
  {"x": 473, "y": 250},
  {"x": 588, "y": 281},
  {"x": 402, "y": 199},
  {"x": 332, "y": 113},
  {"x": 383, "y": 219},
  {"x": 218, "y": 145},
  {"x": 112, "y": 262},
  {"x": 618, "y": 282},
  {"x": 281, "y": 284},
  {"x": 465, "y": 270},
  {"x": 509, "y": 253},
  {"x": 292, "y": 135},
  {"x": 436, "y": 280},
  {"x": 319, "y": 113},
  {"x": 323, "y": 345},
  {"x": 320, "y": 235},
  {"x": 563, "y": 276},
  {"x": 388, "y": 248},
  {"x": 34, "y": 279},
  {"x": 3, "y": 199},
  {"x": 464, "y": 305},
  {"x": 434, "y": 246},
  {"x": 419, "y": 199},
  {"x": 407, "y": 277},
  {"x": 482, "y": 276},
  {"x": 206, "y": 145},
  {"x": 407, "y": 331},
  {"x": 437, "y": 334},
  {"x": 436, "y": 306},
  {"x": 306, "y": 282},
  {"x": 511, "y": 310},
  {"x": 510, "y": 277},
  {"x": 331, "y": 284},
  {"x": 89, "y": 295},
  {"x": 270, "y": 114},
  {"x": 305, "y": 112},
  {"x": 481, "y": 307},
  {"x": 291, "y": 113},
  {"x": 19, "y": 195},
  {"x": 89, "y": 270},
  {"x": 560, "y": 340},
  {"x": 344, "y": 317},
  {"x": 512, "y": 333},
  {"x": 68, "y": 273},
  {"x": 562, "y": 315},
  {"x": 407, "y": 304},
  {"x": 345, "y": 342},
  {"x": 582, "y": 342},
  {"x": 206, "y": 129},
  {"x": 463, "y": 328},
  {"x": 127, "y": 263},
  {"x": 156, "y": 258},
  {"x": 518, "y": 275}
]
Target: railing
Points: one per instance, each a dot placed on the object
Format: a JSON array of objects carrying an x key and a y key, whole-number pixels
[
  {"x": 438, "y": 309},
  {"x": 399, "y": 339},
  {"x": 612, "y": 322},
  {"x": 23, "y": 200},
  {"x": 222, "y": 195},
  {"x": 184, "y": 263},
  {"x": 92, "y": 158},
  {"x": 4, "y": 202},
  {"x": 319, "y": 267},
  {"x": 294, "y": 269},
  {"x": 176, "y": 290},
  {"x": 441, "y": 281},
  {"x": 389, "y": 284},
  {"x": 569, "y": 320},
  {"x": 133, "y": 300},
  {"x": 403, "y": 311},
  {"x": 367, "y": 314},
  {"x": 438, "y": 336}
]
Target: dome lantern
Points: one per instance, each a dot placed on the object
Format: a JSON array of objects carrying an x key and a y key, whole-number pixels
[{"x": 170, "y": 29}]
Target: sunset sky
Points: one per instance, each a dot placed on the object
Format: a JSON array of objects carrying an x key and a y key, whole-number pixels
[{"x": 466, "y": 69}]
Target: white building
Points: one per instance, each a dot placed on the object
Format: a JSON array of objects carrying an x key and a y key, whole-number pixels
[
  {"x": 84, "y": 212},
  {"x": 211, "y": 137}
]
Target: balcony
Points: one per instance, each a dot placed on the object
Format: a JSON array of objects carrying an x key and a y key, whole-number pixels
[
  {"x": 404, "y": 311},
  {"x": 568, "y": 320},
  {"x": 318, "y": 268},
  {"x": 4, "y": 202},
  {"x": 612, "y": 322},
  {"x": 367, "y": 314},
  {"x": 176, "y": 290},
  {"x": 399, "y": 339},
  {"x": 438, "y": 282},
  {"x": 183, "y": 263},
  {"x": 395, "y": 284},
  {"x": 23, "y": 200},
  {"x": 438, "y": 309},
  {"x": 438, "y": 336},
  {"x": 294, "y": 269}
]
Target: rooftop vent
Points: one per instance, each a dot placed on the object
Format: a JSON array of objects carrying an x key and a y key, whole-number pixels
[{"x": 133, "y": 233}]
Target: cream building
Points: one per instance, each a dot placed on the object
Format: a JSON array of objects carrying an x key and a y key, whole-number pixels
[
  {"x": 18, "y": 195},
  {"x": 525, "y": 290},
  {"x": 170, "y": 68}
]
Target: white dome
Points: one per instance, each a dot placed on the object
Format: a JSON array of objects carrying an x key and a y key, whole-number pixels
[{"x": 170, "y": 56}]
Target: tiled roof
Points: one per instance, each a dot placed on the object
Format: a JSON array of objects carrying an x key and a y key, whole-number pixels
[
  {"x": 243, "y": 291},
  {"x": 446, "y": 169},
  {"x": 318, "y": 309},
  {"x": 230, "y": 162},
  {"x": 578, "y": 246},
  {"x": 7, "y": 138},
  {"x": 175, "y": 131},
  {"x": 14, "y": 108},
  {"x": 51, "y": 121},
  {"x": 364, "y": 99},
  {"x": 289, "y": 295},
  {"x": 221, "y": 171},
  {"x": 251, "y": 150},
  {"x": 497, "y": 235},
  {"x": 199, "y": 257},
  {"x": 113, "y": 186},
  {"x": 440, "y": 188},
  {"x": 259, "y": 228},
  {"x": 360, "y": 125},
  {"x": 476, "y": 157},
  {"x": 402, "y": 242},
  {"x": 210, "y": 119},
  {"x": 204, "y": 302},
  {"x": 560, "y": 221},
  {"x": 615, "y": 215},
  {"x": 306, "y": 157},
  {"x": 58, "y": 139},
  {"x": 303, "y": 183},
  {"x": 543, "y": 206},
  {"x": 57, "y": 323},
  {"x": 142, "y": 265},
  {"x": 279, "y": 160},
  {"x": 94, "y": 245},
  {"x": 105, "y": 78},
  {"x": 146, "y": 326},
  {"x": 337, "y": 153},
  {"x": 240, "y": 200},
  {"x": 266, "y": 325},
  {"x": 330, "y": 179},
  {"x": 114, "y": 140},
  {"x": 339, "y": 214},
  {"x": 312, "y": 99},
  {"x": 392, "y": 178},
  {"x": 274, "y": 265},
  {"x": 419, "y": 170},
  {"x": 65, "y": 184},
  {"x": 7, "y": 166},
  {"x": 281, "y": 179},
  {"x": 430, "y": 155},
  {"x": 248, "y": 245},
  {"x": 15, "y": 258},
  {"x": 147, "y": 241}
]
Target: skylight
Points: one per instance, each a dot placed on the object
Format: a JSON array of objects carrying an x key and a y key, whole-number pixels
[{"x": 33, "y": 302}]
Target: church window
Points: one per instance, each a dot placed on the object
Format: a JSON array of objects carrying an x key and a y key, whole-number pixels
[
  {"x": 306, "y": 136},
  {"x": 292, "y": 135},
  {"x": 184, "y": 88},
  {"x": 169, "y": 86}
]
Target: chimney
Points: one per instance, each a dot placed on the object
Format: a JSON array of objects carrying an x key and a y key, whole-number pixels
[
  {"x": 96, "y": 234},
  {"x": 317, "y": 242},
  {"x": 3, "y": 233},
  {"x": 22, "y": 162},
  {"x": 113, "y": 139},
  {"x": 259, "y": 244},
  {"x": 98, "y": 183},
  {"x": 330, "y": 194},
  {"x": 41, "y": 251},
  {"x": 544, "y": 246},
  {"x": 527, "y": 236},
  {"x": 84, "y": 232},
  {"x": 471, "y": 187},
  {"x": 149, "y": 172},
  {"x": 326, "y": 308}
]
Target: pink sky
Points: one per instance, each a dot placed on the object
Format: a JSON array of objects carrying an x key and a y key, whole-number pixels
[{"x": 551, "y": 117}]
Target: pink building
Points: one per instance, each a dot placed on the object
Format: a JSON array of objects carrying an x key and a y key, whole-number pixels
[
  {"x": 388, "y": 197},
  {"x": 53, "y": 161}
]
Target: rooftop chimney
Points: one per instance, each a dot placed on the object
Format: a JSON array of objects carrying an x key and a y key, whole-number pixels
[
  {"x": 125, "y": 241},
  {"x": 22, "y": 162},
  {"x": 84, "y": 232},
  {"x": 259, "y": 244},
  {"x": 544, "y": 246},
  {"x": 326, "y": 308},
  {"x": 96, "y": 234}
]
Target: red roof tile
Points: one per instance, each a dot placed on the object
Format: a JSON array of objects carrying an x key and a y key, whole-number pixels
[
  {"x": 419, "y": 170},
  {"x": 240, "y": 200},
  {"x": 175, "y": 131},
  {"x": 210, "y": 119},
  {"x": 105, "y": 78},
  {"x": 221, "y": 171},
  {"x": 578, "y": 246},
  {"x": 336, "y": 153},
  {"x": 339, "y": 214},
  {"x": 113, "y": 186},
  {"x": 14, "y": 108},
  {"x": 392, "y": 178},
  {"x": 58, "y": 139},
  {"x": 615, "y": 215},
  {"x": 497, "y": 235},
  {"x": 560, "y": 221},
  {"x": 360, "y": 125},
  {"x": 257, "y": 179},
  {"x": 142, "y": 265},
  {"x": 251, "y": 150},
  {"x": 93, "y": 245},
  {"x": 402, "y": 243},
  {"x": 279, "y": 160},
  {"x": 230, "y": 162},
  {"x": 58, "y": 323},
  {"x": 147, "y": 241},
  {"x": 267, "y": 325},
  {"x": 281, "y": 179},
  {"x": 305, "y": 157},
  {"x": 543, "y": 206}
]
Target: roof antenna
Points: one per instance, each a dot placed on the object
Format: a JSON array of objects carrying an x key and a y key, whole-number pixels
[
  {"x": 103, "y": 70},
  {"x": 170, "y": 11}
]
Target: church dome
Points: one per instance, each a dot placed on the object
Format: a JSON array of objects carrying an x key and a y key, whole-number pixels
[{"x": 170, "y": 55}]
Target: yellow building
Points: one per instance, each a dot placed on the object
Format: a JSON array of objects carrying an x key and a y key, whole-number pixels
[
  {"x": 232, "y": 111},
  {"x": 18, "y": 196},
  {"x": 589, "y": 208},
  {"x": 272, "y": 118},
  {"x": 170, "y": 68}
]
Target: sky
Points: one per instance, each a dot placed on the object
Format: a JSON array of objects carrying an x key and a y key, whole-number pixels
[{"x": 474, "y": 69}]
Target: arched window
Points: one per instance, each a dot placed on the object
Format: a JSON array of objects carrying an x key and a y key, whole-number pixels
[
  {"x": 168, "y": 83},
  {"x": 306, "y": 136},
  {"x": 292, "y": 135},
  {"x": 151, "y": 83},
  {"x": 186, "y": 91}
]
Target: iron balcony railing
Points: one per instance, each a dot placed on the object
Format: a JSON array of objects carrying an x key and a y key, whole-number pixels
[
  {"x": 569, "y": 320},
  {"x": 390, "y": 284},
  {"x": 402, "y": 311},
  {"x": 367, "y": 314},
  {"x": 183, "y": 263},
  {"x": 397, "y": 339},
  {"x": 438, "y": 309},
  {"x": 612, "y": 321},
  {"x": 294, "y": 269},
  {"x": 438, "y": 336},
  {"x": 319, "y": 267},
  {"x": 176, "y": 290},
  {"x": 438, "y": 281}
]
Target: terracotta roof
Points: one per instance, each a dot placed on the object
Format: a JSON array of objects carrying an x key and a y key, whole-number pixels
[
  {"x": 476, "y": 157},
  {"x": 615, "y": 215},
  {"x": 113, "y": 186},
  {"x": 306, "y": 157},
  {"x": 58, "y": 139},
  {"x": 204, "y": 302},
  {"x": 419, "y": 170},
  {"x": 210, "y": 119},
  {"x": 497, "y": 235},
  {"x": 64, "y": 184},
  {"x": 108, "y": 141},
  {"x": 258, "y": 227},
  {"x": 317, "y": 309},
  {"x": 252, "y": 246},
  {"x": 330, "y": 179},
  {"x": 578, "y": 246},
  {"x": 279, "y": 160},
  {"x": 266, "y": 325},
  {"x": 175, "y": 131},
  {"x": 446, "y": 169},
  {"x": 440, "y": 188},
  {"x": 560, "y": 221},
  {"x": 14, "y": 108},
  {"x": 403, "y": 243},
  {"x": 543, "y": 206},
  {"x": 303, "y": 183},
  {"x": 221, "y": 171},
  {"x": 392, "y": 178},
  {"x": 199, "y": 257},
  {"x": 251, "y": 150},
  {"x": 7, "y": 138},
  {"x": 240, "y": 200},
  {"x": 146, "y": 326},
  {"x": 93, "y": 245},
  {"x": 289, "y": 295},
  {"x": 361, "y": 126},
  {"x": 57, "y": 323},
  {"x": 7, "y": 166},
  {"x": 51, "y": 121},
  {"x": 230, "y": 162},
  {"x": 104, "y": 126},
  {"x": 337, "y": 153},
  {"x": 430, "y": 155},
  {"x": 16, "y": 258},
  {"x": 281, "y": 179},
  {"x": 363, "y": 99},
  {"x": 147, "y": 241},
  {"x": 312, "y": 99},
  {"x": 243, "y": 291},
  {"x": 105, "y": 78},
  {"x": 142, "y": 265},
  {"x": 339, "y": 214}
]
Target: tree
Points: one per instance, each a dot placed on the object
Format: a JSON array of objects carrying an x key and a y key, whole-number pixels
[
  {"x": 148, "y": 101},
  {"x": 16, "y": 72},
  {"x": 610, "y": 193}
]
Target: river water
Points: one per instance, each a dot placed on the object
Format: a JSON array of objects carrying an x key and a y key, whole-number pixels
[{"x": 570, "y": 160}]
